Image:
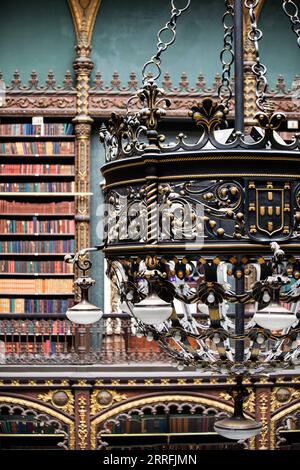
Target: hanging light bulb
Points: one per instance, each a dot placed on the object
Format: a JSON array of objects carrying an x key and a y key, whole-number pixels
[
  {"x": 266, "y": 297},
  {"x": 149, "y": 336},
  {"x": 152, "y": 310},
  {"x": 274, "y": 317},
  {"x": 84, "y": 313},
  {"x": 260, "y": 339},
  {"x": 216, "y": 338},
  {"x": 237, "y": 426},
  {"x": 210, "y": 298},
  {"x": 177, "y": 335}
]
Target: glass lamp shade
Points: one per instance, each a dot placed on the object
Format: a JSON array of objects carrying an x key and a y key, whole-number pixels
[
  {"x": 84, "y": 313},
  {"x": 274, "y": 317},
  {"x": 152, "y": 310},
  {"x": 237, "y": 428}
]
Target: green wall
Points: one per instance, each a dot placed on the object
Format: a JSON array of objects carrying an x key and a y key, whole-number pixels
[
  {"x": 36, "y": 35},
  {"x": 279, "y": 49},
  {"x": 125, "y": 32}
]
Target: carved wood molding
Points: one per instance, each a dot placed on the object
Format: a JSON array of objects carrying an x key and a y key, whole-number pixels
[
  {"x": 84, "y": 10},
  {"x": 44, "y": 409},
  {"x": 213, "y": 402}
]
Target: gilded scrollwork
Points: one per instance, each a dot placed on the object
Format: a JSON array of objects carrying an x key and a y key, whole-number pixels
[
  {"x": 249, "y": 403},
  {"x": 82, "y": 429},
  {"x": 62, "y": 399},
  {"x": 102, "y": 399},
  {"x": 282, "y": 396}
]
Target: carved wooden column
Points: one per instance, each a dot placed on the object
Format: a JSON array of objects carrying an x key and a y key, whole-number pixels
[
  {"x": 263, "y": 410},
  {"x": 82, "y": 416},
  {"x": 83, "y": 66}
]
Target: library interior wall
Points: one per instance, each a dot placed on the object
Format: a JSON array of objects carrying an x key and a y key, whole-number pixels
[{"x": 41, "y": 36}]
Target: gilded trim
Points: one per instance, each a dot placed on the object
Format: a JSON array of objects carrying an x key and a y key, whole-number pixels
[
  {"x": 202, "y": 158},
  {"x": 203, "y": 175},
  {"x": 48, "y": 397},
  {"x": 151, "y": 400},
  {"x": 82, "y": 425},
  {"x": 44, "y": 409},
  {"x": 276, "y": 418},
  {"x": 96, "y": 407},
  {"x": 87, "y": 10}
]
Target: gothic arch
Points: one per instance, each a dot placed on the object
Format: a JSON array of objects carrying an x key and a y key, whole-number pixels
[
  {"x": 138, "y": 402},
  {"x": 278, "y": 416},
  {"x": 9, "y": 400}
]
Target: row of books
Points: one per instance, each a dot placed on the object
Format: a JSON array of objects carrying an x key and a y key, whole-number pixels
[
  {"x": 23, "y": 426},
  {"x": 46, "y": 348},
  {"x": 63, "y": 207},
  {"x": 36, "y": 285},
  {"x": 36, "y": 328},
  {"x": 35, "y": 169},
  {"x": 63, "y": 226},
  {"x": 163, "y": 424},
  {"x": 35, "y": 148},
  {"x": 39, "y": 306},
  {"x": 32, "y": 129},
  {"x": 45, "y": 187},
  {"x": 194, "y": 423},
  {"x": 40, "y": 246},
  {"x": 35, "y": 267}
]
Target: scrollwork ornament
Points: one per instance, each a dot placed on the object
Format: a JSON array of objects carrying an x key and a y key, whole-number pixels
[
  {"x": 208, "y": 114},
  {"x": 99, "y": 403}
]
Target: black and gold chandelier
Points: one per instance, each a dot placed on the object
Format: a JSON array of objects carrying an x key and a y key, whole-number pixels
[{"x": 202, "y": 234}]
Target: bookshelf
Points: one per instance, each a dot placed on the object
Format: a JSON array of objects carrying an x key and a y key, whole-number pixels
[
  {"x": 26, "y": 431},
  {"x": 172, "y": 430},
  {"x": 37, "y": 218}
]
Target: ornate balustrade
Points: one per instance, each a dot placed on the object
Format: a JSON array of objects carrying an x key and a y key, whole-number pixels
[{"x": 110, "y": 341}]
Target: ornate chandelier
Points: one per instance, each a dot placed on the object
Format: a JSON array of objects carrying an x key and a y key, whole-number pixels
[{"x": 189, "y": 224}]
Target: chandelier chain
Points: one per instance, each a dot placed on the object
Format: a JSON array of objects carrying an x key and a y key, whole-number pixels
[
  {"x": 258, "y": 68},
  {"x": 169, "y": 30},
  {"x": 227, "y": 54},
  {"x": 291, "y": 10}
]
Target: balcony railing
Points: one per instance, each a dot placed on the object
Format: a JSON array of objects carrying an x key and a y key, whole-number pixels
[{"x": 110, "y": 341}]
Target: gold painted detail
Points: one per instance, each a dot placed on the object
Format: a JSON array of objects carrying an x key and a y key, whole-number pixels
[
  {"x": 115, "y": 382},
  {"x": 181, "y": 381},
  {"x": 46, "y": 410},
  {"x": 152, "y": 400},
  {"x": 84, "y": 10},
  {"x": 165, "y": 381},
  {"x": 208, "y": 114},
  {"x": 82, "y": 425},
  {"x": 278, "y": 418},
  {"x": 281, "y": 396},
  {"x": 263, "y": 407},
  {"x": 102, "y": 399},
  {"x": 62, "y": 399},
  {"x": 249, "y": 403},
  {"x": 148, "y": 382}
]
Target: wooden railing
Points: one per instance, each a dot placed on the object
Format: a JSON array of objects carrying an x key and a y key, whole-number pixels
[{"x": 58, "y": 341}]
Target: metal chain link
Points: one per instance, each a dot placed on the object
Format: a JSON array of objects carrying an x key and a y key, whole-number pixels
[
  {"x": 169, "y": 28},
  {"x": 227, "y": 55},
  {"x": 291, "y": 10},
  {"x": 259, "y": 69}
]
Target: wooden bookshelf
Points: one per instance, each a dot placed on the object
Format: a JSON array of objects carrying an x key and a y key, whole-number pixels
[{"x": 38, "y": 164}]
